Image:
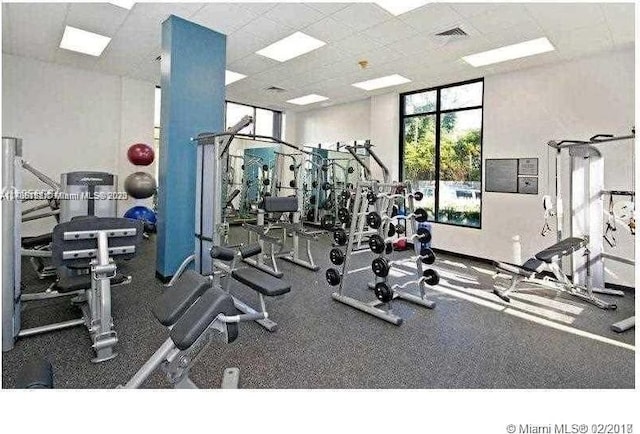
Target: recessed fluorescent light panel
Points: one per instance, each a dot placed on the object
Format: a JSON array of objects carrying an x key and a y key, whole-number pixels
[
  {"x": 292, "y": 46},
  {"x": 123, "y": 4},
  {"x": 232, "y": 77},
  {"x": 83, "y": 42},
  {"x": 308, "y": 99},
  {"x": 379, "y": 83},
  {"x": 510, "y": 52},
  {"x": 397, "y": 7}
]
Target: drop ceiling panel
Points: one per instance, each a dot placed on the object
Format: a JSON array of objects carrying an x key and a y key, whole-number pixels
[
  {"x": 223, "y": 17},
  {"x": 252, "y": 64},
  {"x": 268, "y": 30},
  {"x": 37, "y": 30},
  {"x": 329, "y": 30},
  {"x": 390, "y": 31},
  {"x": 242, "y": 43},
  {"x": 357, "y": 44},
  {"x": 508, "y": 15},
  {"x": 328, "y": 8},
  {"x": 296, "y": 15},
  {"x": 101, "y": 18},
  {"x": 432, "y": 18},
  {"x": 560, "y": 17},
  {"x": 360, "y": 16}
]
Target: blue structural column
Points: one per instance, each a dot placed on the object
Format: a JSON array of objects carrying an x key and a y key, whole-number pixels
[{"x": 193, "y": 73}]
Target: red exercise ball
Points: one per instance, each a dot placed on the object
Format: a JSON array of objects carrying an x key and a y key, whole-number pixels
[{"x": 140, "y": 154}]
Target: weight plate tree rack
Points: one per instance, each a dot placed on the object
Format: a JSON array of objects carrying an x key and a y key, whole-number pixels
[{"x": 382, "y": 196}]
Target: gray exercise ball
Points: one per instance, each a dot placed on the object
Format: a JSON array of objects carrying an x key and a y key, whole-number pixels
[{"x": 140, "y": 185}]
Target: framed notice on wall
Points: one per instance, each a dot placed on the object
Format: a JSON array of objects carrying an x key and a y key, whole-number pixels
[
  {"x": 528, "y": 166},
  {"x": 501, "y": 175}
]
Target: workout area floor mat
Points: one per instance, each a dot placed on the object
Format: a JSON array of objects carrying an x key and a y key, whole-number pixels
[{"x": 471, "y": 339}]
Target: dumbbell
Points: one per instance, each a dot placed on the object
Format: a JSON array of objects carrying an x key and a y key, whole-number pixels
[
  {"x": 265, "y": 168},
  {"x": 377, "y": 243},
  {"x": 430, "y": 277},
  {"x": 333, "y": 277},
  {"x": 266, "y": 182},
  {"x": 292, "y": 167},
  {"x": 427, "y": 256},
  {"x": 418, "y": 195},
  {"x": 292, "y": 183},
  {"x": 351, "y": 170},
  {"x": 419, "y": 214}
]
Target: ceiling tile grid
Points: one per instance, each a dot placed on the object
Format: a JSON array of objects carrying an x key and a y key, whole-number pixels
[{"x": 405, "y": 44}]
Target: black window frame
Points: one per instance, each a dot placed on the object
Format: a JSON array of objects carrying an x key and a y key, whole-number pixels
[
  {"x": 438, "y": 113},
  {"x": 277, "y": 121}
]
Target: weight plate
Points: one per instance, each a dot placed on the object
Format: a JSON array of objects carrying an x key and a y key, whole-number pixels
[
  {"x": 333, "y": 277},
  {"x": 418, "y": 195},
  {"x": 427, "y": 256},
  {"x": 383, "y": 292},
  {"x": 376, "y": 244},
  {"x": 340, "y": 237},
  {"x": 431, "y": 277},
  {"x": 336, "y": 256},
  {"x": 380, "y": 267},
  {"x": 374, "y": 220}
]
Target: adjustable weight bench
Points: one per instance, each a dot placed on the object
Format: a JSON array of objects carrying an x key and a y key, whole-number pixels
[
  {"x": 544, "y": 270},
  {"x": 264, "y": 284},
  {"x": 195, "y": 311}
]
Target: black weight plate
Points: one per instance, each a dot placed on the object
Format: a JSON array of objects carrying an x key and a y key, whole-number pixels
[
  {"x": 333, "y": 277},
  {"x": 383, "y": 292},
  {"x": 431, "y": 277},
  {"x": 336, "y": 256},
  {"x": 376, "y": 243},
  {"x": 374, "y": 220},
  {"x": 380, "y": 267}
]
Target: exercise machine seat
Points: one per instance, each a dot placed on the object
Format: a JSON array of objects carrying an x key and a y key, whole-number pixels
[
  {"x": 37, "y": 241},
  {"x": 262, "y": 282},
  {"x": 83, "y": 281},
  {"x": 174, "y": 302},
  {"x": 280, "y": 204},
  {"x": 200, "y": 315},
  {"x": 562, "y": 248}
]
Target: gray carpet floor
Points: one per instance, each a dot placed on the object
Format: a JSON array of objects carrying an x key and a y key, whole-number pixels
[{"x": 470, "y": 340}]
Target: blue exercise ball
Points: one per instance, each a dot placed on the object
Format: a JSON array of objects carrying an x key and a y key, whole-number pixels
[{"x": 141, "y": 213}]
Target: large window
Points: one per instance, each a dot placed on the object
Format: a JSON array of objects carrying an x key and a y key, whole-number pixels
[
  {"x": 441, "y": 150},
  {"x": 265, "y": 122}
]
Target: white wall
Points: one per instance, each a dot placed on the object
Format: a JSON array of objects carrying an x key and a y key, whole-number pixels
[
  {"x": 72, "y": 119},
  {"x": 338, "y": 123},
  {"x": 523, "y": 110}
]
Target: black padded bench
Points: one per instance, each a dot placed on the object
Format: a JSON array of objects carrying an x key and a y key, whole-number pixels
[
  {"x": 562, "y": 248},
  {"x": 280, "y": 204},
  {"x": 264, "y": 283}
]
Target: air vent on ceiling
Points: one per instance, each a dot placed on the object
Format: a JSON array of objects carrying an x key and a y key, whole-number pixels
[
  {"x": 275, "y": 89},
  {"x": 456, "y": 31}
]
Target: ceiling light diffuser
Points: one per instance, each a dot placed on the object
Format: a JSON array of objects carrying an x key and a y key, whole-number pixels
[
  {"x": 396, "y": 7},
  {"x": 125, "y": 4},
  {"x": 292, "y": 46},
  {"x": 308, "y": 99},
  {"x": 232, "y": 77},
  {"x": 510, "y": 52},
  {"x": 379, "y": 83},
  {"x": 84, "y": 42}
]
